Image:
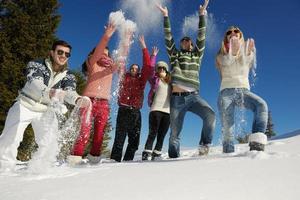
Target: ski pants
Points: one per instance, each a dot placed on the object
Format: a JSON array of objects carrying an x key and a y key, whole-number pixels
[
  {"x": 128, "y": 123},
  {"x": 159, "y": 123},
  {"x": 45, "y": 126},
  {"x": 99, "y": 115}
]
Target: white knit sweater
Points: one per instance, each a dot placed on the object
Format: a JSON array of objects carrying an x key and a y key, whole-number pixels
[{"x": 235, "y": 70}]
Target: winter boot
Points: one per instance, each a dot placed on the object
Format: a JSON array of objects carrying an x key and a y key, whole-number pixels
[
  {"x": 146, "y": 155},
  {"x": 257, "y": 141},
  {"x": 203, "y": 150},
  {"x": 228, "y": 147},
  {"x": 93, "y": 159},
  {"x": 156, "y": 155},
  {"x": 74, "y": 160}
]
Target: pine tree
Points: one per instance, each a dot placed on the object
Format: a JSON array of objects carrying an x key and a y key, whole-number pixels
[
  {"x": 270, "y": 126},
  {"x": 27, "y": 31}
]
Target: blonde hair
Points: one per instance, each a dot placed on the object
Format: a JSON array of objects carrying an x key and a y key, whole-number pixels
[{"x": 223, "y": 49}]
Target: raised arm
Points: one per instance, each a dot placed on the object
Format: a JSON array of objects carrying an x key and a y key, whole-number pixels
[
  {"x": 200, "y": 42},
  {"x": 169, "y": 41},
  {"x": 154, "y": 53},
  {"x": 146, "y": 69},
  {"x": 146, "y": 56},
  {"x": 109, "y": 30},
  {"x": 123, "y": 53}
]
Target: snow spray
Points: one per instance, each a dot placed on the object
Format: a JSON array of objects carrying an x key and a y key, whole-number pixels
[
  {"x": 126, "y": 29},
  {"x": 213, "y": 34},
  {"x": 144, "y": 13}
]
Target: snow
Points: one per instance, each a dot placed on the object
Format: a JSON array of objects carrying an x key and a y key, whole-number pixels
[{"x": 270, "y": 175}]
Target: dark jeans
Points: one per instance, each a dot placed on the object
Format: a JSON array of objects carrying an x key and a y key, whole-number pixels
[
  {"x": 159, "y": 123},
  {"x": 128, "y": 123}
]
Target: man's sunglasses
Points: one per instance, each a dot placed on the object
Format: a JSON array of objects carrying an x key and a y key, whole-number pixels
[
  {"x": 230, "y": 31},
  {"x": 61, "y": 52}
]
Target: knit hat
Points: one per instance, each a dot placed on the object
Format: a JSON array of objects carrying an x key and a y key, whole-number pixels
[{"x": 162, "y": 64}]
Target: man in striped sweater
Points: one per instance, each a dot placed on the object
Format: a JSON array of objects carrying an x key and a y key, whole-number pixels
[{"x": 185, "y": 66}]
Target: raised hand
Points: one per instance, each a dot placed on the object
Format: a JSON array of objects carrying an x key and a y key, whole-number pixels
[
  {"x": 163, "y": 10},
  {"x": 235, "y": 45},
  {"x": 142, "y": 41},
  {"x": 155, "y": 50},
  {"x": 251, "y": 45},
  {"x": 202, "y": 9},
  {"x": 110, "y": 29}
]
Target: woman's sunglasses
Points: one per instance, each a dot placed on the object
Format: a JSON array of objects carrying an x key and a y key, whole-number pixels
[
  {"x": 230, "y": 31},
  {"x": 161, "y": 68},
  {"x": 61, "y": 52}
]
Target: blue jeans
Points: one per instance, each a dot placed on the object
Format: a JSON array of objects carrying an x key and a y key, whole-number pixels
[
  {"x": 178, "y": 108},
  {"x": 231, "y": 98}
]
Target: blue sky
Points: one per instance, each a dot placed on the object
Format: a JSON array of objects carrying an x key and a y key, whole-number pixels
[{"x": 274, "y": 25}]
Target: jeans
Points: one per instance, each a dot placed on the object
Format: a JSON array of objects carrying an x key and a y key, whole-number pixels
[
  {"x": 231, "y": 98},
  {"x": 178, "y": 108}
]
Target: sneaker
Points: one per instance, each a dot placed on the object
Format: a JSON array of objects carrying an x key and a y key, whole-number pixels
[
  {"x": 146, "y": 155},
  {"x": 254, "y": 146},
  {"x": 156, "y": 155},
  {"x": 203, "y": 150},
  {"x": 93, "y": 159},
  {"x": 74, "y": 160}
]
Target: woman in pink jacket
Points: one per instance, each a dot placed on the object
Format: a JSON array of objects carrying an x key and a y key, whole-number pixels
[{"x": 100, "y": 69}]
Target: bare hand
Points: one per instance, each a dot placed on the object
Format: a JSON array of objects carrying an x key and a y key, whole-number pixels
[
  {"x": 163, "y": 10},
  {"x": 142, "y": 41},
  {"x": 109, "y": 30},
  {"x": 202, "y": 9},
  {"x": 235, "y": 45},
  {"x": 83, "y": 102},
  {"x": 155, "y": 50},
  {"x": 251, "y": 45},
  {"x": 57, "y": 94}
]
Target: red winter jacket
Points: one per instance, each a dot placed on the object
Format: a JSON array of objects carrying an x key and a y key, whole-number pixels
[{"x": 132, "y": 88}]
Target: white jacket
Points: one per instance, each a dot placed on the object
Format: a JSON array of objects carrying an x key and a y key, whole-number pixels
[{"x": 40, "y": 79}]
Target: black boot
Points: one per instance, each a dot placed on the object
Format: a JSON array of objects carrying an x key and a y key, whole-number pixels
[
  {"x": 156, "y": 156},
  {"x": 254, "y": 146},
  {"x": 146, "y": 155}
]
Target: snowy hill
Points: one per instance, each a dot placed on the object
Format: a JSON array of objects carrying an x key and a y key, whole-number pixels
[
  {"x": 270, "y": 175},
  {"x": 287, "y": 135}
]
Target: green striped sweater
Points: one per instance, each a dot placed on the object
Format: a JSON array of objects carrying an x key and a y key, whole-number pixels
[{"x": 185, "y": 66}]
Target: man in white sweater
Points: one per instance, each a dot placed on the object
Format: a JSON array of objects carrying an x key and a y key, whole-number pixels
[
  {"x": 46, "y": 78},
  {"x": 234, "y": 61}
]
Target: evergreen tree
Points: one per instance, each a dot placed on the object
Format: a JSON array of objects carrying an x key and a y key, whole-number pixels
[
  {"x": 27, "y": 31},
  {"x": 270, "y": 126}
]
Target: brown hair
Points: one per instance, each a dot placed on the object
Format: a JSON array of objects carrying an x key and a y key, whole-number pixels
[{"x": 61, "y": 43}]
